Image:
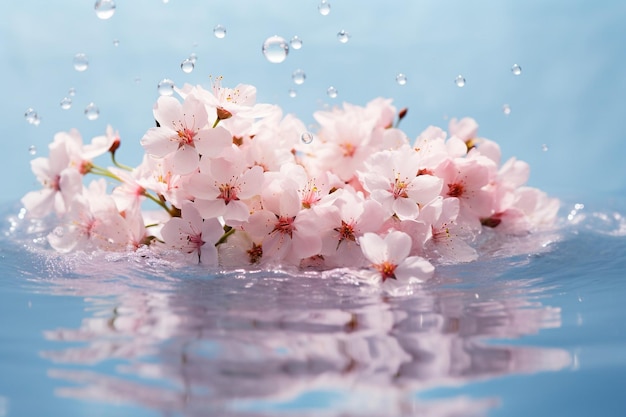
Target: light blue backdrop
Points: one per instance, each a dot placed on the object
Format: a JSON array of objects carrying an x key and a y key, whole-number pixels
[{"x": 570, "y": 95}]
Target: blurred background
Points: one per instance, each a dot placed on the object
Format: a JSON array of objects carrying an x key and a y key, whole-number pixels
[{"x": 560, "y": 109}]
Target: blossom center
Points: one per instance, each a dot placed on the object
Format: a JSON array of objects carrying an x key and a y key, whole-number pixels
[
  {"x": 348, "y": 149},
  {"x": 228, "y": 193},
  {"x": 186, "y": 136},
  {"x": 387, "y": 270},
  {"x": 398, "y": 189},
  {"x": 285, "y": 226},
  {"x": 456, "y": 189},
  {"x": 346, "y": 232}
]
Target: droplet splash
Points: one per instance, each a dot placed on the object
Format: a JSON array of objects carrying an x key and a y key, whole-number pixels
[
  {"x": 32, "y": 149},
  {"x": 401, "y": 79},
  {"x": 187, "y": 66},
  {"x": 292, "y": 93},
  {"x": 324, "y": 7},
  {"x": 343, "y": 36},
  {"x": 544, "y": 147},
  {"x": 506, "y": 109},
  {"x": 92, "y": 112},
  {"x": 459, "y": 81},
  {"x": 298, "y": 76},
  {"x": 306, "y": 137},
  {"x": 165, "y": 87},
  {"x": 105, "y": 9},
  {"x": 332, "y": 92},
  {"x": 296, "y": 42},
  {"x": 275, "y": 49},
  {"x": 66, "y": 103},
  {"x": 219, "y": 31},
  {"x": 516, "y": 69},
  {"x": 81, "y": 63}
]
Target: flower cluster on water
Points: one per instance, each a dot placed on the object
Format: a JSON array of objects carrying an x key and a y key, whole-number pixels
[{"x": 241, "y": 184}]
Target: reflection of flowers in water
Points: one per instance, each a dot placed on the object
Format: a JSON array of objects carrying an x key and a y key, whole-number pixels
[{"x": 253, "y": 343}]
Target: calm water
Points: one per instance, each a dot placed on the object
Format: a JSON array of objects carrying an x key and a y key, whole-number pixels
[{"x": 536, "y": 327}]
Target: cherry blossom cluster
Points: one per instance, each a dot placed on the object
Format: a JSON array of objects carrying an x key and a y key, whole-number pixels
[{"x": 240, "y": 185}]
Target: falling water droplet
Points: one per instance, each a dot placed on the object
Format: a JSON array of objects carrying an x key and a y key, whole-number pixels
[
  {"x": 31, "y": 116},
  {"x": 193, "y": 57},
  {"x": 32, "y": 149},
  {"x": 137, "y": 80},
  {"x": 332, "y": 92},
  {"x": 298, "y": 76},
  {"x": 105, "y": 9},
  {"x": 296, "y": 42},
  {"x": 544, "y": 147},
  {"x": 275, "y": 49},
  {"x": 92, "y": 112},
  {"x": 324, "y": 7},
  {"x": 116, "y": 42},
  {"x": 80, "y": 62},
  {"x": 166, "y": 87},
  {"x": 187, "y": 66},
  {"x": 219, "y": 31},
  {"x": 71, "y": 92},
  {"x": 459, "y": 81},
  {"x": 306, "y": 137},
  {"x": 516, "y": 69},
  {"x": 506, "y": 109},
  {"x": 343, "y": 36},
  {"x": 66, "y": 103},
  {"x": 292, "y": 93},
  {"x": 401, "y": 79}
]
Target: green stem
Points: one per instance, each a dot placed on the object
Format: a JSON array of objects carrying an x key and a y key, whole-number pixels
[
  {"x": 117, "y": 164},
  {"x": 217, "y": 120},
  {"x": 228, "y": 231}
]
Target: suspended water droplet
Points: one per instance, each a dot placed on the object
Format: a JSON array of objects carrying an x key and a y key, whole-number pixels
[
  {"x": 516, "y": 69},
  {"x": 116, "y": 42},
  {"x": 92, "y": 112},
  {"x": 298, "y": 76},
  {"x": 459, "y": 81},
  {"x": 544, "y": 147},
  {"x": 32, "y": 149},
  {"x": 165, "y": 87},
  {"x": 80, "y": 62},
  {"x": 105, "y": 9},
  {"x": 292, "y": 93},
  {"x": 166, "y": 1},
  {"x": 332, "y": 92},
  {"x": 31, "y": 115},
  {"x": 137, "y": 80},
  {"x": 296, "y": 42},
  {"x": 275, "y": 49},
  {"x": 306, "y": 137},
  {"x": 187, "y": 66},
  {"x": 71, "y": 92},
  {"x": 324, "y": 7},
  {"x": 66, "y": 103},
  {"x": 506, "y": 109},
  {"x": 193, "y": 57},
  {"x": 343, "y": 36},
  {"x": 401, "y": 79},
  {"x": 58, "y": 231},
  {"x": 219, "y": 31}
]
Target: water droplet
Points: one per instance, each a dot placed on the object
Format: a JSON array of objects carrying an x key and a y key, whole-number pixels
[
  {"x": 506, "y": 109},
  {"x": 296, "y": 42},
  {"x": 193, "y": 57},
  {"x": 66, "y": 103},
  {"x": 324, "y": 7},
  {"x": 343, "y": 36},
  {"x": 306, "y": 137},
  {"x": 219, "y": 31},
  {"x": 516, "y": 69},
  {"x": 187, "y": 66},
  {"x": 32, "y": 149},
  {"x": 401, "y": 79},
  {"x": 92, "y": 112},
  {"x": 31, "y": 115},
  {"x": 166, "y": 87},
  {"x": 332, "y": 92},
  {"x": 459, "y": 81},
  {"x": 166, "y": 1},
  {"x": 116, "y": 42},
  {"x": 105, "y": 9},
  {"x": 80, "y": 62},
  {"x": 292, "y": 93},
  {"x": 137, "y": 80},
  {"x": 298, "y": 76},
  {"x": 544, "y": 147},
  {"x": 275, "y": 49},
  {"x": 71, "y": 92}
]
